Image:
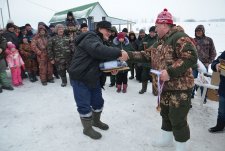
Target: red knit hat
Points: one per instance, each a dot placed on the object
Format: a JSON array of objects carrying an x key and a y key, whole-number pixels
[
  {"x": 164, "y": 17},
  {"x": 121, "y": 35}
]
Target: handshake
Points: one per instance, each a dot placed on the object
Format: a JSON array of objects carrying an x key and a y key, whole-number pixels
[{"x": 124, "y": 56}]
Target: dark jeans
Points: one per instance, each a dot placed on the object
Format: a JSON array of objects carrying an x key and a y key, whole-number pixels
[
  {"x": 87, "y": 98},
  {"x": 121, "y": 77},
  {"x": 221, "y": 110}
]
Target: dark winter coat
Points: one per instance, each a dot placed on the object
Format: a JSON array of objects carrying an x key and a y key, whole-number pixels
[
  {"x": 133, "y": 42},
  {"x": 3, "y": 47},
  {"x": 90, "y": 51},
  {"x": 11, "y": 36},
  {"x": 222, "y": 78}
]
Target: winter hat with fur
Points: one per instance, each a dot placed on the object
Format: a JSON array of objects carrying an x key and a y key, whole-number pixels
[
  {"x": 164, "y": 17},
  {"x": 121, "y": 35},
  {"x": 58, "y": 26}
]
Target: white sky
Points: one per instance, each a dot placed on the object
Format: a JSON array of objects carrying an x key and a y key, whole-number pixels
[{"x": 24, "y": 11}]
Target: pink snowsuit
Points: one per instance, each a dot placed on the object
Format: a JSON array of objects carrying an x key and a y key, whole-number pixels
[{"x": 15, "y": 62}]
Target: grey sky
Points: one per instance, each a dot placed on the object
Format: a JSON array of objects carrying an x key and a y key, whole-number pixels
[{"x": 29, "y": 11}]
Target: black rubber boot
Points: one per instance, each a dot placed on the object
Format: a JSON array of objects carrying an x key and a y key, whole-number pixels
[
  {"x": 97, "y": 122},
  {"x": 35, "y": 77},
  {"x": 64, "y": 81},
  {"x": 88, "y": 130},
  {"x": 7, "y": 87},
  {"x": 144, "y": 87},
  {"x": 218, "y": 128},
  {"x": 31, "y": 77}
]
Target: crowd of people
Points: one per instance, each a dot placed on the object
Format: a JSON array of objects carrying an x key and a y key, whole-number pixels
[{"x": 70, "y": 47}]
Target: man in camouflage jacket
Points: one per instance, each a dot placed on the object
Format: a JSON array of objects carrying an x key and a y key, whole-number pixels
[
  {"x": 173, "y": 54},
  {"x": 59, "y": 52}
]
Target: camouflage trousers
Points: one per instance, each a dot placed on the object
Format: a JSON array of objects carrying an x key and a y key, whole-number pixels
[
  {"x": 175, "y": 106},
  {"x": 62, "y": 68}
]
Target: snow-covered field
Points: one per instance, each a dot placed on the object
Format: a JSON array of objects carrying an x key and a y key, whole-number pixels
[{"x": 38, "y": 118}]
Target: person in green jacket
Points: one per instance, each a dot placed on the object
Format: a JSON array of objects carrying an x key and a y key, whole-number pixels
[
  {"x": 4, "y": 81},
  {"x": 174, "y": 55},
  {"x": 148, "y": 41}
]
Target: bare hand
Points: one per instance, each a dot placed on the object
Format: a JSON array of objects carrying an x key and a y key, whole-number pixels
[
  {"x": 124, "y": 56},
  {"x": 218, "y": 67},
  {"x": 114, "y": 72},
  {"x": 164, "y": 76}
]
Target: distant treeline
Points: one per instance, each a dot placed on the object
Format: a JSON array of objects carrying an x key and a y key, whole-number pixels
[{"x": 211, "y": 20}]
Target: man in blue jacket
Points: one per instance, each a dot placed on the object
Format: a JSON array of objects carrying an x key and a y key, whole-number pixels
[
  {"x": 221, "y": 111},
  {"x": 85, "y": 75}
]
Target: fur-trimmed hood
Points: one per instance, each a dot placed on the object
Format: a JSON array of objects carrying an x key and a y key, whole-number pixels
[{"x": 116, "y": 41}]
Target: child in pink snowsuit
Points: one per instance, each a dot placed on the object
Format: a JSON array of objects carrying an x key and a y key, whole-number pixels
[{"x": 15, "y": 62}]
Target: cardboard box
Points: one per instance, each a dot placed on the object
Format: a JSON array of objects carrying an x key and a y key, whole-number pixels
[
  {"x": 215, "y": 79},
  {"x": 212, "y": 95}
]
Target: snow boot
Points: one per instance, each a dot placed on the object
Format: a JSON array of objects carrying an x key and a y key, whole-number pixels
[
  {"x": 124, "y": 88},
  {"x": 88, "y": 130},
  {"x": 219, "y": 127},
  {"x": 31, "y": 77},
  {"x": 35, "y": 77},
  {"x": 64, "y": 81},
  {"x": 97, "y": 122},
  {"x": 9, "y": 87},
  {"x": 0, "y": 89},
  {"x": 180, "y": 146},
  {"x": 166, "y": 139},
  {"x": 118, "y": 88},
  {"x": 144, "y": 87}
]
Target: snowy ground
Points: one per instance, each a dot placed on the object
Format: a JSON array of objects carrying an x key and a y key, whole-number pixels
[{"x": 38, "y": 118}]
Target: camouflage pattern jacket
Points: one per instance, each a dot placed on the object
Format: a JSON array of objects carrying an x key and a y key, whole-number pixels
[
  {"x": 176, "y": 53},
  {"x": 58, "y": 49},
  {"x": 206, "y": 49}
]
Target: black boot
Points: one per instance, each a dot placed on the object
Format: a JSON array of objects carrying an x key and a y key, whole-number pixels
[
  {"x": 0, "y": 89},
  {"x": 88, "y": 130},
  {"x": 51, "y": 80},
  {"x": 97, "y": 122},
  {"x": 111, "y": 85},
  {"x": 144, "y": 87},
  {"x": 219, "y": 127},
  {"x": 31, "y": 77},
  {"x": 7, "y": 87},
  {"x": 35, "y": 77},
  {"x": 64, "y": 81}
]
